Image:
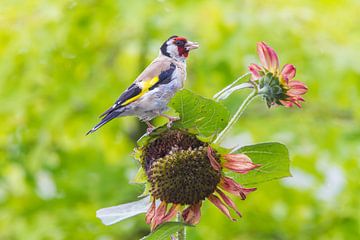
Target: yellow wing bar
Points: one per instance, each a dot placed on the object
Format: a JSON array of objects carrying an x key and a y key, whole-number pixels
[{"x": 145, "y": 88}]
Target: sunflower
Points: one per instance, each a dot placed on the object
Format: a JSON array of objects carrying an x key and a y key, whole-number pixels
[
  {"x": 277, "y": 86},
  {"x": 183, "y": 171}
]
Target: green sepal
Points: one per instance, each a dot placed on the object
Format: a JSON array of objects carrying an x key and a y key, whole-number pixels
[
  {"x": 146, "y": 190},
  {"x": 140, "y": 177}
]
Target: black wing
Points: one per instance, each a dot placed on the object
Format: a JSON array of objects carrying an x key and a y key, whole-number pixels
[
  {"x": 132, "y": 91},
  {"x": 165, "y": 76}
]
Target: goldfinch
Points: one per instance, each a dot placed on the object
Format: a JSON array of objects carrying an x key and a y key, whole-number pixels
[{"x": 148, "y": 96}]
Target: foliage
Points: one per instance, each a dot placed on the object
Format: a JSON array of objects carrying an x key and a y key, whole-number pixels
[
  {"x": 165, "y": 230},
  {"x": 273, "y": 159},
  {"x": 202, "y": 116},
  {"x": 64, "y": 62}
]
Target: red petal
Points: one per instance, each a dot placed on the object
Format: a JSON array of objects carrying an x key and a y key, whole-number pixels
[
  {"x": 297, "y": 88},
  {"x": 288, "y": 72},
  {"x": 274, "y": 67},
  {"x": 239, "y": 163},
  {"x": 255, "y": 71},
  {"x": 268, "y": 57},
  {"x": 286, "y": 103},
  {"x": 217, "y": 202},
  {"x": 296, "y": 91}
]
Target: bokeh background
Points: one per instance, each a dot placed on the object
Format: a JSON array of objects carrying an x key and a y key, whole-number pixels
[{"x": 62, "y": 63}]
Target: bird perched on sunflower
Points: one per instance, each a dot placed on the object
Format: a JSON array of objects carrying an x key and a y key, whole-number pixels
[{"x": 148, "y": 96}]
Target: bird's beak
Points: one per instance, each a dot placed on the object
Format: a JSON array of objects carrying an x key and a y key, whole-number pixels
[{"x": 191, "y": 45}]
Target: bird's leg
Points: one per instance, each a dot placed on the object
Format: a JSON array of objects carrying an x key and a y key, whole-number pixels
[
  {"x": 150, "y": 127},
  {"x": 171, "y": 119}
]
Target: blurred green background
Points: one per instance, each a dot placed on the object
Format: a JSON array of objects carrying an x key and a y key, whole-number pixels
[{"x": 62, "y": 63}]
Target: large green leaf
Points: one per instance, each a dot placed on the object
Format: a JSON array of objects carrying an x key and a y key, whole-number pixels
[
  {"x": 201, "y": 115},
  {"x": 165, "y": 230},
  {"x": 273, "y": 158}
]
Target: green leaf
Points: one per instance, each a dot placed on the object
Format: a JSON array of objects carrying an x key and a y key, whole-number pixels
[
  {"x": 273, "y": 158},
  {"x": 200, "y": 115},
  {"x": 165, "y": 230}
]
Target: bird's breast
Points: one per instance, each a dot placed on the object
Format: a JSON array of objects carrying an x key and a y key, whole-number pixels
[{"x": 180, "y": 73}]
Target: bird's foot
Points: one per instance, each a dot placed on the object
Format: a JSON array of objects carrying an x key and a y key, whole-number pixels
[
  {"x": 150, "y": 127},
  {"x": 149, "y": 130},
  {"x": 171, "y": 120}
]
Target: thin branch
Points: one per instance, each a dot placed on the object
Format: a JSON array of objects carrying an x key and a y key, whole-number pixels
[{"x": 237, "y": 115}]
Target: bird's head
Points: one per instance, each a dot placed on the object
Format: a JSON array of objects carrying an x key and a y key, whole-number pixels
[{"x": 177, "y": 48}]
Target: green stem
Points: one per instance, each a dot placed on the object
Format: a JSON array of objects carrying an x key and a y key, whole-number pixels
[
  {"x": 181, "y": 234},
  {"x": 230, "y": 85},
  {"x": 237, "y": 115}
]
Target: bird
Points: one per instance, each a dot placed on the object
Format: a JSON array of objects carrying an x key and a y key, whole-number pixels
[{"x": 147, "y": 97}]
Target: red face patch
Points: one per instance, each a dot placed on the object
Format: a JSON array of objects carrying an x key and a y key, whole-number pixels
[
  {"x": 183, "y": 52},
  {"x": 180, "y": 43},
  {"x": 180, "y": 39}
]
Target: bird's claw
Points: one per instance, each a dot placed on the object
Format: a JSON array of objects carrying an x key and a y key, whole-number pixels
[
  {"x": 150, "y": 127},
  {"x": 149, "y": 130},
  {"x": 171, "y": 120}
]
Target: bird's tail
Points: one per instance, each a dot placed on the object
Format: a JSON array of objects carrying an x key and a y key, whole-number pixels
[{"x": 104, "y": 120}]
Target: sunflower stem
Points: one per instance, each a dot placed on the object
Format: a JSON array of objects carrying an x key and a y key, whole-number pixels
[
  {"x": 237, "y": 115},
  {"x": 181, "y": 234},
  {"x": 220, "y": 93}
]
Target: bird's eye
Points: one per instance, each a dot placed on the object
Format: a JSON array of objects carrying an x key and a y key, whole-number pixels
[{"x": 179, "y": 43}]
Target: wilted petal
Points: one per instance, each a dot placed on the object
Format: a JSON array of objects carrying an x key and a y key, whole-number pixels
[
  {"x": 171, "y": 212},
  {"x": 228, "y": 201},
  {"x": 255, "y": 71},
  {"x": 217, "y": 202},
  {"x": 268, "y": 57},
  {"x": 233, "y": 187},
  {"x": 239, "y": 163},
  {"x": 214, "y": 163},
  {"x": 288, "y": 72},
  {"x": 192, "y": 214},
  {"x": 150, "y": 213},
  {"x": 159, "y": 215}
]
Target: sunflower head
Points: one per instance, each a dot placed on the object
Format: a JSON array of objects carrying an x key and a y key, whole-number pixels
[{"x": 182, "y": 171}]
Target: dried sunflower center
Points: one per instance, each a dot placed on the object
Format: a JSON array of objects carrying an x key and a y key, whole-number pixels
[
  {"x": 180, "y": 172},
  {"x": 167, "y": 142}
]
